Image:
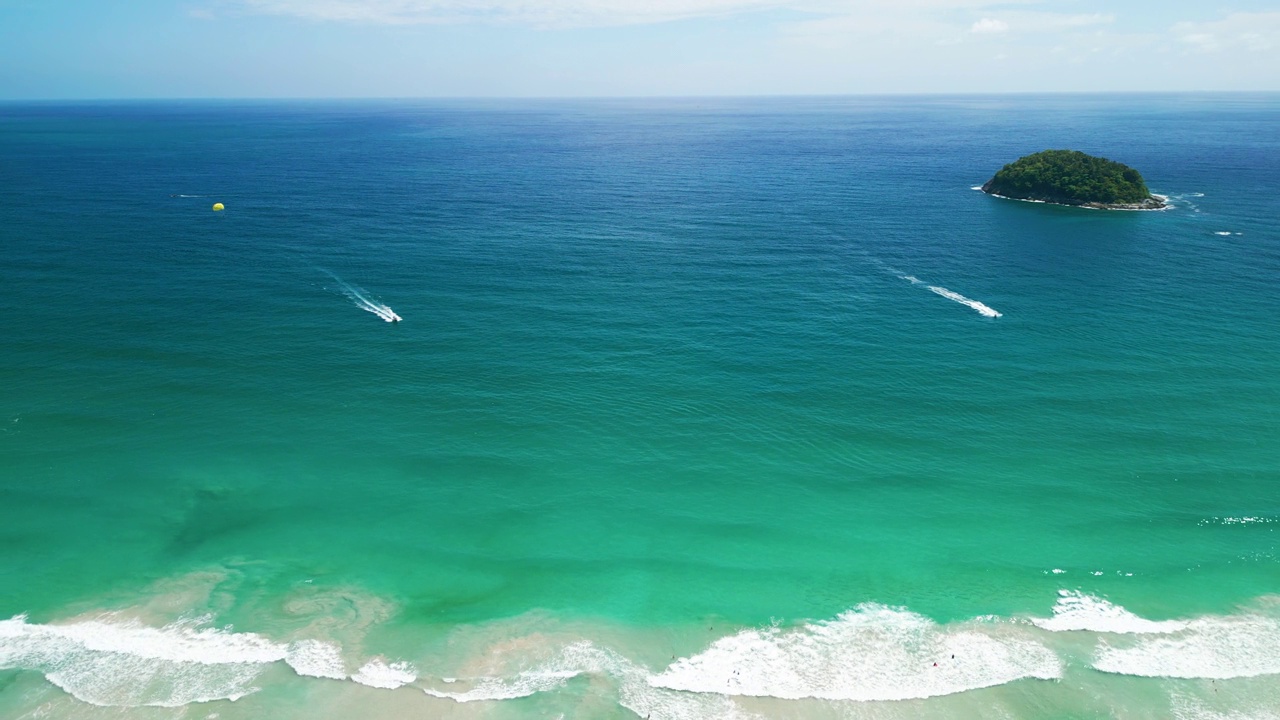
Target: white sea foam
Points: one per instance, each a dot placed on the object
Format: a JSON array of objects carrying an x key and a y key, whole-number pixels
[
  {"x": 362, "y": 301},
  {"x": 1188, "y": 708},
  {"x": 379, "y": 673},
  {"x": 1247, "y": 520},
  {"x": 1210, "y": 647},
  {"x": 1222, "y": 232},
  {"x": 314, "y": 658},
  {"x": 584, "y": 658},
  {"x": 1077, "y": 611},
  {"x": 526, "y": 683},
  {"x": 639, "y": 693},
  {"x": 113, "y": 661},
  {"x": 1163, "y": 198},
  {"x": 870, "y": 653},
  {"x": 183, "y": 641},
  {"x": 656, "y": 703},
  {"x": 572, "y": 660},
  {"x": 1182, "y": 199}
]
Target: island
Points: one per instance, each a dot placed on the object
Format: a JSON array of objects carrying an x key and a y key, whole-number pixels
[{"x": 1070, "y": 177}]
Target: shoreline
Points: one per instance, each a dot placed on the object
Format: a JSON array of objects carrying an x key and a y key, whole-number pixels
[
  {"x": 1163, "y": 199},
  {"x": 869, "y": 654}
]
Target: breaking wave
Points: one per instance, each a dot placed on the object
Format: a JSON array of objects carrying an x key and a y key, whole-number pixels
[
  {"x": 1210, "y": 647},
  {"x": 1076, "y": 611},
  {"x": 1213, "y": 647},
  {"x": 872, "y": 653},
  {"x": 378, "y": 673},
  {"x": 111, "y": 661}
]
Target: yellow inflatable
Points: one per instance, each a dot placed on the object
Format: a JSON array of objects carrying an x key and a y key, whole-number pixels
[{"x": 218, "y": 206}]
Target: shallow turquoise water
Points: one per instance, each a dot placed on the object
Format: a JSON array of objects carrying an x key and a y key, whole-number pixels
[{"x": 662, "y": 378}]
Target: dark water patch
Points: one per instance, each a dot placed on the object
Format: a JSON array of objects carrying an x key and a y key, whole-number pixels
[{"x": 213, "y": 514}]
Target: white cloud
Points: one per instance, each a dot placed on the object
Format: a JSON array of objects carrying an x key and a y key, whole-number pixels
[
  {"x": 1201, "y": 41},
  {"x": 1025, "y": 22},
  {"x": 930, "y": 26},
  {"x": 1254, "y": 32},
  {"x": 544, "y": 12},
  {"x": 989, "y": 26},
  {"x": 1257, "y": 42},
  {"x": 938, "y": 23},
  {"x": 1054, "y": 21},
  {"x": 579, "y": 13}
]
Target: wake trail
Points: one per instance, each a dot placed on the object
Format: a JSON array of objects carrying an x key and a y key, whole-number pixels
[
  {"x": 362, "y": 301},
  {"x": 981, "y": 308}
]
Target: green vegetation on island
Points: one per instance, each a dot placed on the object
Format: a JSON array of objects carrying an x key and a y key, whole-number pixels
[{"x": 1070, "y": 177}]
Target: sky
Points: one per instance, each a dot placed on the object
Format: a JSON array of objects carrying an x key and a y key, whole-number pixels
[{"x": 107, "y": 49}]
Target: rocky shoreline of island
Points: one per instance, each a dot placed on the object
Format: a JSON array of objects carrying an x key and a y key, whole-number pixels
[{"x": 1155, "y": 202}]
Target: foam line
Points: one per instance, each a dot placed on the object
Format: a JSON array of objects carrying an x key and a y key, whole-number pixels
[
  {"x": 525, "y": 684},
  {"x": 870, "y": 653},
  {"x": 570, "y": 661},
  {"x": 113, "y": 661},
  {"x": 1182, "y": 199},
  {"x": 636, "y": 691}
]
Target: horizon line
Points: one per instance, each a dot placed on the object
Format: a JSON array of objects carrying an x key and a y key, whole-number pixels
[{"x": 762, "y": 96}]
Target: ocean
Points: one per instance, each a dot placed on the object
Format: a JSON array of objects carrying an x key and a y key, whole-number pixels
[{"x": 697, "y": 408}]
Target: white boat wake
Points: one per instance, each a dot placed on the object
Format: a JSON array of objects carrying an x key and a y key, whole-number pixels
[
  {"x": 362, "y": 301},
  {"x": 983, "y": 309}
]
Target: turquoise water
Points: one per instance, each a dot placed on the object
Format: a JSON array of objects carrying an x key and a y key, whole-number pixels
[{"x": 698, "y": 409}]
